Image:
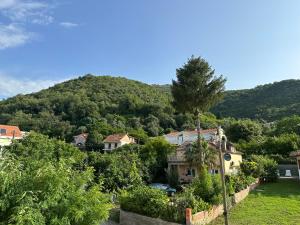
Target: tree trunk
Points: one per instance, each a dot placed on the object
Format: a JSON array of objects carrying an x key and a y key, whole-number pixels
[{"x": 199, "y": 140}]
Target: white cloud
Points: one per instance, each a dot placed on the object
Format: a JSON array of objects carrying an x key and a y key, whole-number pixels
[
  {"x": 68, "y": 24},
  {"x": 26, "y": 11},
  {"x": 20, "y": 13},
  {"x": 10, "y": 86},
  {"x": 12, "y": 35}
]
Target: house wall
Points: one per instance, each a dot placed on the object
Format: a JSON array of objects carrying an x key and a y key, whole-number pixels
[
  {"x": 236, "y": 159},
  {"x": 176, "y": 140}
]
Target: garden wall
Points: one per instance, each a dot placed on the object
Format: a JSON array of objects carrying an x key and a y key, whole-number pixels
[{"x": 206, "y": 217}]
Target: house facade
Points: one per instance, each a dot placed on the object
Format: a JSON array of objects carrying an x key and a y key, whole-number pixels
[
  {"x": 179, "y": 137},
  {"x": 8, "y": 134},
  {"x": 187, "y": 172},
  {"x": 80, "y": 140},
  {"x": 296, "y": 154},
  {"x": 184, "y": 140},
  {"x": 114, "y": 141}
]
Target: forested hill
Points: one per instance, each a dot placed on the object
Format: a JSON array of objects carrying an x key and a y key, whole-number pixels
[
  {"x": 269, "y": 102},
  {"x": 73, "y": 106}
]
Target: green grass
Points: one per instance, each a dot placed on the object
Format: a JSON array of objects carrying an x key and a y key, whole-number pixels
[{"x": 274, "y": 203}]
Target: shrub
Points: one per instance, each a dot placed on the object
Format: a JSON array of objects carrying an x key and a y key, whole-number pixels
[
  {"x": 175, "y": 212},
  {"x": 268, "y": 167},
  {"x": 251, "y": 169},
  {"x": 240, "y": 181},
  {"x": 207, "y": 187},
  {"x": 144, "y": 200}
]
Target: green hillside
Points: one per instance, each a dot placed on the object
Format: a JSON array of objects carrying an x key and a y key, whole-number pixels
[
  {"x": 73, "y": 106},
  {"x": 269, "y": 102}
]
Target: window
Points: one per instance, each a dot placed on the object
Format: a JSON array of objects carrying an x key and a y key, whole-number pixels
[
  {"x": 109, "y": 146},
  {"x": 191, "y": 172},
  {"x": 116, "y": 145},
  {"x": 3, "y": 131}
]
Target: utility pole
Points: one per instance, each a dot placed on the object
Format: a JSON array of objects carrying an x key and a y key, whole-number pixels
[{"x": 222, "y": 173}]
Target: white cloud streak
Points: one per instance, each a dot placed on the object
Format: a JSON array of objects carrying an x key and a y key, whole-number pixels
[
  {"x": 10, "y": 86},
  {"x": 19, "y": 13},
  {"x": 12, "y": 35},
  {"x": 68, "y": 24}
]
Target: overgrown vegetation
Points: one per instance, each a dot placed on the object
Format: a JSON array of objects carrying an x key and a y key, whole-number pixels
[{"x": 45, "y": 181}]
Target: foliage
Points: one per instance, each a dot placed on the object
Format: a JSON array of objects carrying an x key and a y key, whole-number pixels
[
  {"x": 269, "y": 102},
  {"x": 282, "y": 145},
  {"x": 239, "y": 182},
  {"x": 250, "y": 168},
  {"x": 144, "y": 200},
  {"x": 118, "y": 103},
  {"x": 154, "y": 155},
  {"x": 155, "y": 203},
  {"x": 288, "y": 125},
  {"x": 243, "y": 130},
  {"x": 44, "y": 181},
  {"x": 207, "y": 187},
  {"x": 116, "y": 170},
  {"x": 268, "y": 166},
  {"x": 196, "y": 88}
]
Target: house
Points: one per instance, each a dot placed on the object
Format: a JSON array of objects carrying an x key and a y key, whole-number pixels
[
  {"x": 296, "y": 154},
  {"x": 114, "y": 141},
  {"x": 186, "y": 171},
  {"x": 80, "y": 140},
  {"x": 8, "y": 134},
  {"x": 179, "y": 137}
]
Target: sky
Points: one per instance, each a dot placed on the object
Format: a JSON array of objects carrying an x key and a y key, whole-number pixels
[{"x": 43, "y": 42}]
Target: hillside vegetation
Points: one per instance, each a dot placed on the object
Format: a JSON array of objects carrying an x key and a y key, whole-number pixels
[
  {"x": 114, "y": 103},
  {"x": 269, "y": 102}
]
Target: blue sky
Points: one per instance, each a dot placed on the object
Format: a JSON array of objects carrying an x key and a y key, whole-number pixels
[{"x": 45, "y": 42}]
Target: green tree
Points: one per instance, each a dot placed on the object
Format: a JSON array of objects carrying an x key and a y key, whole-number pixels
[
  {"x": 154, "y": 154},
  {"x": 243, "y": 130},
  {"x": 44, "y": 181},
  {"x": 196, "y": 90},
  {"x": 288, "y": 125}
]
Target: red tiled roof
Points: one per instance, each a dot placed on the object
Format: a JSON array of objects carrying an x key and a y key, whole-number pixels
[
  {"x": 114, "y": 138},
  {"x": 11, "y": 131},
  {"x": 175, "y": 133}
]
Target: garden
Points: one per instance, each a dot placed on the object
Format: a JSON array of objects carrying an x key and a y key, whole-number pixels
[{"x": 202, "y": 194}]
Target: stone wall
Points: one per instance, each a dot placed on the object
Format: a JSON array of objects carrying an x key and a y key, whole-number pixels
[{"x": 129, "y": 218}]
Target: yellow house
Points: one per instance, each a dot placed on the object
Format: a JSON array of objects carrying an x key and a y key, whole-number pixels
[
  {"x": 187, "y": 172},
  {"x": 296, "y": 154}
]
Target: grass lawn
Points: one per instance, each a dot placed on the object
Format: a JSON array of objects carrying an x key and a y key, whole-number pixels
[{"x": 273, "y": 203}]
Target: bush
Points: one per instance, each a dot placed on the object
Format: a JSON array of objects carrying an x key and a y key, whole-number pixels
[
  {"x": 154, "y": 203},
  {"x": 268, "y": 167},
  {"x": 251, "y": 169},
  {"x": 144, "y": 200},
  {"x": 175, "y": 212},
  {"x": 239, "y": 182},
  {"x": 208, "y": 187}
]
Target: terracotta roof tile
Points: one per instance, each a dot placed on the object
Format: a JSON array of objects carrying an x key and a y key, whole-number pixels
[
  {"x": 10, "y": 131},
  {"x": 295, "y": 153},
  {"x": 114, "y": 138}
]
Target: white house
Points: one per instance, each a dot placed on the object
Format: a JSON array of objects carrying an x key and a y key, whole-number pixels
[
  {"x": 80, "y": 140},
  {"x": 114, "y": 141},
  {"x": 179, "y": 137}
]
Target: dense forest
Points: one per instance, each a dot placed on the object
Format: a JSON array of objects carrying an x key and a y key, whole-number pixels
[{"x": 269, "y": 102}]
